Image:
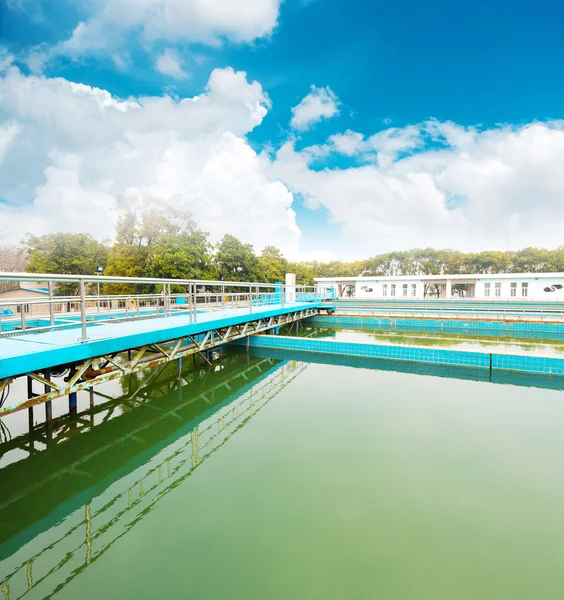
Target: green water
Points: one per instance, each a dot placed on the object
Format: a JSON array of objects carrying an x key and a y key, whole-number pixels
[{"x": 279, "y": 479}]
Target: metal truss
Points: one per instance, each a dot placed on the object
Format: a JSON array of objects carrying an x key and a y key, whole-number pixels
[{"x": 89, "y": 373}]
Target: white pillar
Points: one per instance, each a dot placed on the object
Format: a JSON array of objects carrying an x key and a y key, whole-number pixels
[
  {"x": 448, "y": 292},
  {"x": 290, "y": 287}
]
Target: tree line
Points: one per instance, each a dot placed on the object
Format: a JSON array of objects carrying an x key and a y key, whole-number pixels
[{"x": 162, "y": 242}]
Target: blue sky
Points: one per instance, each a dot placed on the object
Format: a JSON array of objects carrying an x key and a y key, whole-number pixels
[{"x": 428, "y": 124}]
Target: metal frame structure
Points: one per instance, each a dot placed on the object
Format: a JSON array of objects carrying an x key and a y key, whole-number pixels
[{"x": 88, "y": 373}]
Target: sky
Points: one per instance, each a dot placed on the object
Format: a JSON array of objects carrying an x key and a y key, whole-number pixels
[{"x": 331, "y": 129}]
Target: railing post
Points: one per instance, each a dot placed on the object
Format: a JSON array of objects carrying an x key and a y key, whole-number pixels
[
  {"x": 51, "y": 306},
  {"x": 222, "y": 296},
  {"x": 250, "y": 298},
  {"x": 22, "y": 315},
  {"x": 282, "y": 294},
  {"x": 83, "y": 310},
  {"x": 194, "y": 302}
]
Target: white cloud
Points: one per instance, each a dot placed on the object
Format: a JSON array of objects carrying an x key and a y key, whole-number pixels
[
  {"x": 320, "y": 103},
  {"x": 438, "y": 184},
  {"x": 79, "y": 148},
  {"x": 348, "y": 143},
  {"x": 169, "y": 63},
  {"x": 209, "y": 22},
  {"x": 8, "y": 132}
]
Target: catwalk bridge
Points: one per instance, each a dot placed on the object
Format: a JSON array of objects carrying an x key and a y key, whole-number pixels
[{"x": 87, "y": 330}]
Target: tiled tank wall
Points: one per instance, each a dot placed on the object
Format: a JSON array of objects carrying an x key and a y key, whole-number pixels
[
  {"x": 531, "y": 364},
  {"x": 488, "y": 327}
]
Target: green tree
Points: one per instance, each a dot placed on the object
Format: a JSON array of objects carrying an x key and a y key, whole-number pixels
[
  {"x": 272, "y": 265},
  {"x": 65, "y": 253},
  {"x": 184, "y": 255},
  {"x": 236, "y": 261}
]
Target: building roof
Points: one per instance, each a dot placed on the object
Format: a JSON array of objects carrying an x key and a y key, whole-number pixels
[{"x": 40, "y": 290}]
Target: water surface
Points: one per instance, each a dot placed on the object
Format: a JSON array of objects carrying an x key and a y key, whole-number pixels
[{"x": 271, "y": 478}]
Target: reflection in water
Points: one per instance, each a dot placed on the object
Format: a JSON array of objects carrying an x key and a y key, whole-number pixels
[{"x": 98, "y": 477}]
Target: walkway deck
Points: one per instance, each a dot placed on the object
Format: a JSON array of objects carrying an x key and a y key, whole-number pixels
[{"x": 27, "y": 353}]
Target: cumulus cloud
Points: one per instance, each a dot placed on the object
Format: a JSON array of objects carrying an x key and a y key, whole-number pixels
[
  {"x": 320, "y": 103},
  {"x": 169, "y": 21},
  {"x": 8, "y": 132},
  {"x": 169, "y": 63},
  {"x": 438, "y": 184},
  {"x": 79, "y": 149}
]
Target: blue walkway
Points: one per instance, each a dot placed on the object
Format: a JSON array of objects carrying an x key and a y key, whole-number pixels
[{"x": 36, "y": 352}]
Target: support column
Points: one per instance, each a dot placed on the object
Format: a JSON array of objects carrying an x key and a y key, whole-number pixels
[
  {"x": 48, "y": 405},
  {"x": 72, "y": 404},
  {"x": 448, "y": 289},
  {"x": 178, "y": 369},
  {"x": 30, "y": 396}
]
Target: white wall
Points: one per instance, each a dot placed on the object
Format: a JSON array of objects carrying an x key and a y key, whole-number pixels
[
  {"x": 375, "y": 288},
  {"x": 535, "y": 288},
  {"x": 372, "y": 288}
]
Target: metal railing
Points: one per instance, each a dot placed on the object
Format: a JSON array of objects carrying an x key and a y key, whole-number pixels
[{"x": 145, "y": 298}]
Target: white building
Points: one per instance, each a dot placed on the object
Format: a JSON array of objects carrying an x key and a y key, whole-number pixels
[{"x": 504, "y": 286}]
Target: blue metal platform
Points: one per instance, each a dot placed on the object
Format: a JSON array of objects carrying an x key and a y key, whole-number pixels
[{"x": 27, "y": 353}]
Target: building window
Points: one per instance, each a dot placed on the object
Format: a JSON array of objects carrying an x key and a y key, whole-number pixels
[
  {"x": 487, "y": 287},
  {"x": 19, "y": 308},
  {"x": 393, "y": 289},
  {"x": 513, "y": 289},
  {"x": 414, "y": 289},
  {"x": 405, "y": 289},
  {"x": 498, "y": 290},
  {"x": 524, "y": 290},
  {"x": 385, "y": 289}
]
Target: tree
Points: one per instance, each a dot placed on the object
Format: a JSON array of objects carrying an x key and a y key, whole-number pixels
[
  {"x": 12, "y": 260},
  {"x": 236, "y": 261},
  {"x": 272, "y": 265},
  {"x": 66, "y": 253},
  {"x": 155, "y": 239},
  {"x": 184, "y": 255},
  {"x": 126, "y": 260},
  {"x": 141, "y": 224}
]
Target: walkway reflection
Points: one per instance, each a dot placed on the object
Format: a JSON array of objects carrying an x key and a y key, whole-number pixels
[{"x": 70, "y": 503}]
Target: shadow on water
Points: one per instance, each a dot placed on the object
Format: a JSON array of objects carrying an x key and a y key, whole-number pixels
[{"x": 84, "y": 483}]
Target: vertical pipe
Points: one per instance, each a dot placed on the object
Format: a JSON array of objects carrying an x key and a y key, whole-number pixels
[
  {"x": 91, "y": 394},
  {"x": 250, "y": 298},
  {"x": 51, "y": 305},
  {"x": 30, "y": 396},
  {"x": 72, "y": 404},
  {"x": 48, "y": 405},
  {"x": 83, "y": 310},
  {"x": 178, "y": 369}
]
